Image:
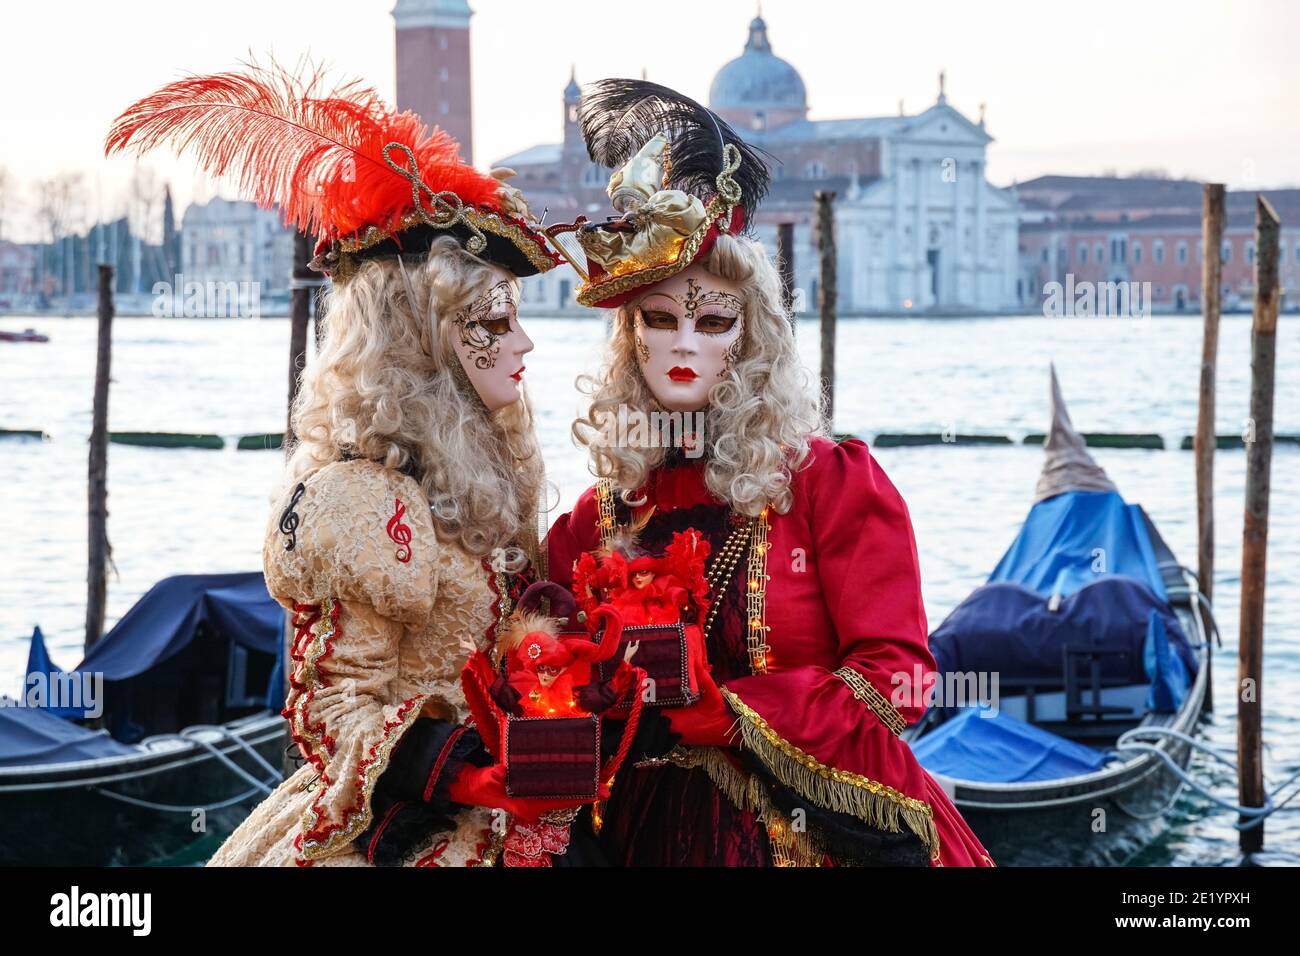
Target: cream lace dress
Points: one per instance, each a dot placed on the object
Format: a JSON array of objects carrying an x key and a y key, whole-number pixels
[{"x": 385, "y": 616}]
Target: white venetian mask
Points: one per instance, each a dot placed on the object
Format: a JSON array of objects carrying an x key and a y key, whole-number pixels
[{"x": 689, "y": 330}]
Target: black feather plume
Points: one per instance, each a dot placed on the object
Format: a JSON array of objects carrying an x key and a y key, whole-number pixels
[{"x": 619, "y": 116}]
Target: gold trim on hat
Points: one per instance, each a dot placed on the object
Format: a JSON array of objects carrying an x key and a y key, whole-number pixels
[
  {"x": 596, "y": 291},
  {"x": 485, "y": 221}
]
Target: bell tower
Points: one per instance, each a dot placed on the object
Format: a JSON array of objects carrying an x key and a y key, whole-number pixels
[{"x": 433, "y": 66}]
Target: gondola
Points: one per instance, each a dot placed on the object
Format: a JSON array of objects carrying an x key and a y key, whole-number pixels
[
  {"x": 1087, "y": 628},
  {"x": 159, "y": 743}
]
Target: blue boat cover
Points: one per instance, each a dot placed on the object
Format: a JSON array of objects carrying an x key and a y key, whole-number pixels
[
  {"x": 1071, "y": 539},
  {"x": 999, "y": 748},
  {"x": 164, "y": 622},
  {"x": 232, "y": 607},
  {"x": 38, "y": 662},
  {"x": 1008, "y": 629},
  {"x": 1164, "y": 669},
  {"x": 33, "y": 735}
]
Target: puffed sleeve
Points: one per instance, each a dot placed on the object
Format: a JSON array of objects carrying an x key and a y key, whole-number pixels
[
  {"x": 353, "y": 555},
  {"x": 572, "y": 534},
  {"x": 830, "y": 733}
]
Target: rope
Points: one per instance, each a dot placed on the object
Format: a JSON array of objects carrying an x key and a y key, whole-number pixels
[
  {"x": 1256, "y": 815},
  {"x": 248, "y": 748},
  {"x": 170, "y": 808},
  {"x": 190, "y": 735}
]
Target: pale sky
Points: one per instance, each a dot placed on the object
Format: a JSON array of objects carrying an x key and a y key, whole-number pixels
[{"x": 1200, "y": 89}]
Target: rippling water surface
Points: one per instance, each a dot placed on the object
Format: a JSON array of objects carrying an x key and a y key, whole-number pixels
[{"x": 174, "y": 511}]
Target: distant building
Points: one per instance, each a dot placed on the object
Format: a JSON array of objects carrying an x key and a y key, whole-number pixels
[
  {"x": 1103, "y": 229},
  {"x": 19, "y": 272},
  {"x": 918, "y": 226},
  {"x": 433, "y": 75},
  {"x": 224, "y": 241},
  {"x": 38, "y": 275}
]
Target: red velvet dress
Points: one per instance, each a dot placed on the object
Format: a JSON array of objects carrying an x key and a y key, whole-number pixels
[{"x": 844, "y": 594}]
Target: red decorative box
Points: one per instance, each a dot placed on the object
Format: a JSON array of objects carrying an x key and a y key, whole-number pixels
[
  {"x": 557, "y": 757},
  {"x": 663, "y": 656}
]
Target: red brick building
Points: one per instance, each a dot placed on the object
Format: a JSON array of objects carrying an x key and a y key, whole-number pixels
[{"x": 1110, "y": 229}]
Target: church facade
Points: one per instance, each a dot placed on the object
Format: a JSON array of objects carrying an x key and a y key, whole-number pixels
[{"x": 918, "y": 227}]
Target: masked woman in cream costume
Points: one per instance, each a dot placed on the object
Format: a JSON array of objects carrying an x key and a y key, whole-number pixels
[
  {"x": 407, "y": 519},
  {"x": 792, "y": 754}
]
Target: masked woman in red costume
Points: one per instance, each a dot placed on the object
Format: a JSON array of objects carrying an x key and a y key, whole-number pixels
[
  {"x": 792, "y": 754},
  {"x": 407, "y": 515}
]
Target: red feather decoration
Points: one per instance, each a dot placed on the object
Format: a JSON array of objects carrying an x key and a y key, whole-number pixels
[{"x": 317, "y": 156}]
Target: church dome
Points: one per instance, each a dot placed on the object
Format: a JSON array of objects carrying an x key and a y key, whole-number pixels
[{"x": 758, "y": 80}]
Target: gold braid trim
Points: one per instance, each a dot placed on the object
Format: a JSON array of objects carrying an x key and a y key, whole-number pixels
[
  {"x": 790, "y": 847},
  {"x": 866, "y": 692},
  {"x": 530, "y": 247},
  {"x": 605, "y": 502},
  {"x": 303, "y": 687},
  {"x": 870, "y": 800},
  {"x": 484, "y": 221},
  {"x": 358, "y": 816}
]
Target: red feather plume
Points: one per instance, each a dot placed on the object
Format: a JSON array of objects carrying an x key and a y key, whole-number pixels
[{"x": 317, "y": 156}]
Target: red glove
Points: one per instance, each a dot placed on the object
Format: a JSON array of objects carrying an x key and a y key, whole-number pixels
[
  {"x": 708, "y": 721},
  {"x": 486, "y": 787}
]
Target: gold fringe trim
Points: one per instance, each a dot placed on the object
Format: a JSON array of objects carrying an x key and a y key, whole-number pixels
[
  {"x": 790, "y": 846},
  {"x": 870, "y": 800},
  {"x": 866, "y": 692}
]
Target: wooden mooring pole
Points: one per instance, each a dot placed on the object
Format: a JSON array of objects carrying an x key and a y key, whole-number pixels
[
  {"x": 1211, "y": 284},
  {"x": 97, "y": 503},
  {"x": 785, "y": 264},
  {"x": 826, "y": 296},
  {"x": 1254, "y": 545},
  {"x": 303, "y": 283}
]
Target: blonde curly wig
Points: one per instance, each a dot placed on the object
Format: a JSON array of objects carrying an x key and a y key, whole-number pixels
[
  {"x": 388, "y": 385},
  {"x": 759, "y": 417}
]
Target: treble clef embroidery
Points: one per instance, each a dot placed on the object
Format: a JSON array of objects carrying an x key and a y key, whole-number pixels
[
  {"x": 399, "y": 532},
  {"x": 289, "y": 519}
]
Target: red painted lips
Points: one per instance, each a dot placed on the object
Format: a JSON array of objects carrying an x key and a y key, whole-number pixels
[{"x": 679, "y": 374}]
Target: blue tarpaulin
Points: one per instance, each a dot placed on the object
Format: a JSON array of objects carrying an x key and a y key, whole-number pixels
[
  {"x": 32, "y": 735},
  {"x": 1165, "y": 670},
  {"x": 168, "y": 617},
  {"x": 39, "y": 663},
  {"x": 1070, "y": 540},
  {"x": 1000, "y": 748},
  {"x": 231, "y": 608},
  {"x": 1009, "y": 629}
]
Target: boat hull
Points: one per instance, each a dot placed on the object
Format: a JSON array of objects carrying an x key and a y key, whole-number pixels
[{"x": 63, "y": 814}]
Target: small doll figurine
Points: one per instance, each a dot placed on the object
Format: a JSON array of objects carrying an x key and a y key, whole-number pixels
[
  {"x": 550, "y": 676},
  {"x": 661, "y": 597},
  {"x": 538, "y": 708}
]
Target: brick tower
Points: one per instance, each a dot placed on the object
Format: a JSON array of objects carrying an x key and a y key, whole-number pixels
[{"x": 433, "y": 65}]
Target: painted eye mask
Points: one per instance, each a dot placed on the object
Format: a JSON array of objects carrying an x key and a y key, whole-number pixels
[
  {"x": 712, "y": 313},
  {"x": 484, "y": 322}
]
